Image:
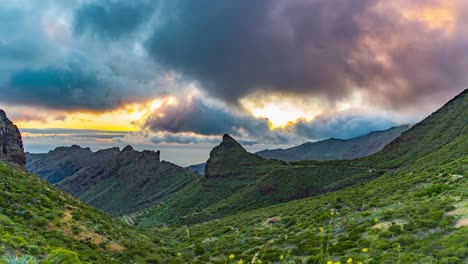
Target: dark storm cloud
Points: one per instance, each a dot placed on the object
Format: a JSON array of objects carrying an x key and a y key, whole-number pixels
[
  {"x": 68, "y": 87},
  {"x": 45, "y": 64},
  {"x": 111, "y": 19},
  {"x": 194, "y": 115},
  {"x": 234, "y": 48}
]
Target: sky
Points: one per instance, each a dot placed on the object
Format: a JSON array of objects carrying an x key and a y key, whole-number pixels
[{"x": 176, "y": 75}]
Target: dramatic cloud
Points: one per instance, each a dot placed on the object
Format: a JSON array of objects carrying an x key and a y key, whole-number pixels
[
  {"x": 67, "y": 87},
  {"x": 313, "y": 68},
  {"x": 195, "y": 115},
  {"x": 110, "y": 19},
  {"x": 54, "y": 60},
  {"x": 332, "y": 48},
  {"x": 195, "y": 121}
]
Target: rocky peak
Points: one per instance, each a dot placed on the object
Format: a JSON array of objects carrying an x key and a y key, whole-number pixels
[
  {"x": 229, "y": 143},
  {"x": 228, "y": 156},
  {"x": 127, "y": 148},
  {"x": 11, "y": 144}
]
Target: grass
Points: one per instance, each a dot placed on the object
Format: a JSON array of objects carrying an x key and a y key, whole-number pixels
[{"x": 40, "y": 220}]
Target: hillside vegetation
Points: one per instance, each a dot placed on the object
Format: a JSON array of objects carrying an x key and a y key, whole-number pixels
[
  {"x": 113, "y": 180},
  {"x": 238, "y": 181},
  {"x": 405, "y": 204},
  {"x": 38, "y": 219},
  {"x": 416, "y": 212}
]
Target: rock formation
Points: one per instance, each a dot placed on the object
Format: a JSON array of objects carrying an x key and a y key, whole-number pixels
[{"x": 11, "y": 144}]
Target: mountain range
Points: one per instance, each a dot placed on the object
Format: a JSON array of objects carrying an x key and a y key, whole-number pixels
[
  {"x": 404, "y": 204},
  {"x": 329, "y": 149},
  {"x": 113, "y": 180}
]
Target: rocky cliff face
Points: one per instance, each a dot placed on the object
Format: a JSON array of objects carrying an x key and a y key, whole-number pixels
[{"x": 11, "y": 144}]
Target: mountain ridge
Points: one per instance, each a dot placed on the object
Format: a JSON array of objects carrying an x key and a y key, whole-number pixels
[
  {"x": 117, "y": 181},
  {"x": 337, "y": 149}
]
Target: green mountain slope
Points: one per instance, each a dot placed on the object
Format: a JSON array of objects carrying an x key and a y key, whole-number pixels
[
  {"x": 38, "y": 219},
  {"x": 337, "y": 149},
  {"x": 238, "y": 181},
  {"x": 427, "y": 136},
  {"x": 117, "y": 182},
  {"x": 413, "y": 213}
]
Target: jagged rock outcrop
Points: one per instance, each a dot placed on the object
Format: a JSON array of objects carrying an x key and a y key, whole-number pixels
[
  {"x": 11, "y": 144},
  {"x": 229, "y": 158}
]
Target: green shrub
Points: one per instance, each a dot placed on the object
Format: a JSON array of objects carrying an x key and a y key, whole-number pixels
[{"x": 61, "y": 256}]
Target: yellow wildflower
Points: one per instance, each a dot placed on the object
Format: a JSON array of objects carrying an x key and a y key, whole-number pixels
[
  {"x": 232, "y": 256},
  {"x": 281, "y": 257},
  {"x": 365, "y": 250},
  {"x": 360, "y": 262},
  {"x": 329, "y": 262},
  {"x": 321, "y": 229},
  {"x": 349, "y": 261},
  {"x": 240, "y": 261}
]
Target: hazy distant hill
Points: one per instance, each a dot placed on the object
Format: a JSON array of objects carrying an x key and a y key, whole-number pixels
[
  {"x": 114, "y": 181},
  {"x": 197, "y": 168},
  {"x": 337, "y": 149}
]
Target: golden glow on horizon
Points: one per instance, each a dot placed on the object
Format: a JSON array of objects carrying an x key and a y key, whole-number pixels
[{"x": 125, "y": 118}]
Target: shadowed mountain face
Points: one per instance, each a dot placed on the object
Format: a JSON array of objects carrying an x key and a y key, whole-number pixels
[
  {"x": 337, "y": 149},
  {"x": 11, "y": 144},
  {"x": 229, "y": 159},
  {"x": 114, "y": 181}
]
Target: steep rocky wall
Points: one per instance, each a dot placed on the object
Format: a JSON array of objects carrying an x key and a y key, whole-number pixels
[{"x": 11, "y": 144}]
